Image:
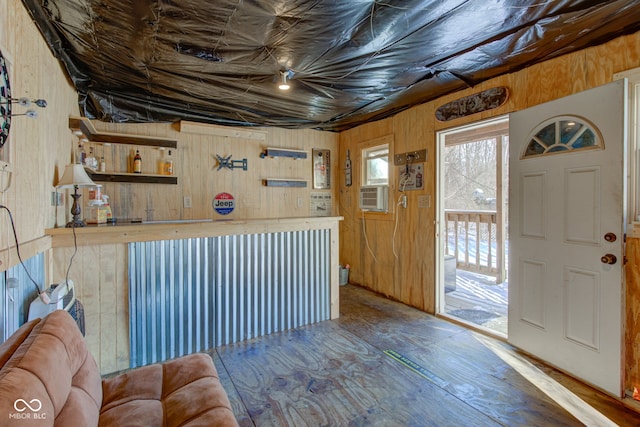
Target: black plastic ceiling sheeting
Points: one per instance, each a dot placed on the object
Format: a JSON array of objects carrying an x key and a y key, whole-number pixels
[{"x": 350, "y": 61}]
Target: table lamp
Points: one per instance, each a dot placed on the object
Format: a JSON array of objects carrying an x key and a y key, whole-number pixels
[{"x": 75, "y": 176}]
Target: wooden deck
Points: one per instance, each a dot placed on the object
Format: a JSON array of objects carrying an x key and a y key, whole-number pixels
[
  {"x": 385, "y": 364},
  {"x": 479, "y": 301}
]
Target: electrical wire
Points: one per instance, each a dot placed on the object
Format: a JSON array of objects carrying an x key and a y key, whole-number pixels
[
  {"x": 15, "y": 236},
  {"x": 75, "y": 251},
  {"x": 366, "y": 239},
  {"x": 403, "y": 183}
]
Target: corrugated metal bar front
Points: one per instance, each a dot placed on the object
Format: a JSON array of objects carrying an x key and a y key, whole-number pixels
[
  {"x": 14, "y": 309},
  {"x": 190, "y": 295}
]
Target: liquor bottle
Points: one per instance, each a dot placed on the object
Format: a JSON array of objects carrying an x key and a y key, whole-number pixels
[
  {"x": 80, "y": 155},
  {"x": 137, "y": 163},
  {"x": 168, "y": 165}
]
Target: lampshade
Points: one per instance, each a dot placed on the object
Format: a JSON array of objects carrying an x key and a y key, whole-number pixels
[{"x": 75, "y": 175}]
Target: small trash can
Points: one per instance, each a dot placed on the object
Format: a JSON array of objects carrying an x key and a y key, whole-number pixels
[{"x": 344, "y": 275}]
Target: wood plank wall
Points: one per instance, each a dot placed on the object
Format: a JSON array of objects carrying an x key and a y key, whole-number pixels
[
  {"x": 410, "y": 278},
  {"x": 196, "y": 166},
  {"x": 632, "y": 333},
  {"x": 38, "y": 149}
]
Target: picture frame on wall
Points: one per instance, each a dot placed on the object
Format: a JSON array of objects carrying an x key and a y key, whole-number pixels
[{"x": 321, "y": 168}]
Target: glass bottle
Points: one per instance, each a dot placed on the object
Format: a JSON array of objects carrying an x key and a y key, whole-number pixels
[
  {"x": 91, "y": 161},
  {"x": 168, "y": 165},
  {"x": 80, "y": 155},
  {"x": 137, "y": 162}
]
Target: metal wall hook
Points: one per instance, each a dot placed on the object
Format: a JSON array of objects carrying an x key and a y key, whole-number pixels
[
  {"x": 32, "y": 114},
  {"x": 26, "y": 102}
]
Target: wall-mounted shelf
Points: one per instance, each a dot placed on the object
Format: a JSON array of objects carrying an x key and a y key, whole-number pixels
[
  {"x": 273, "y": 182},
  {"x": 284, "y": 152},
  {"x": 131, "y": 177},
  {"x": 85, "y": 126}
]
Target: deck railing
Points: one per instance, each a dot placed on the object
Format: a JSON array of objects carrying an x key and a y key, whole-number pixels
[{"x": 472, "y": 238}]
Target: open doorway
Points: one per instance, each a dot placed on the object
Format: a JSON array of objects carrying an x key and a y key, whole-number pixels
[{"x": 472, "y": 209}]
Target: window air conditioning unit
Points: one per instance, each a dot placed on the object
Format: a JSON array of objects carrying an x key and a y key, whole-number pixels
[{"x": 374, "y": 198}]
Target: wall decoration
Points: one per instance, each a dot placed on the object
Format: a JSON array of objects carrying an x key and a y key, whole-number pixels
[
  {"x": 411, "y": 177},
  {"x": 226, "y": 162},
  {"x": 472, "y": 104},
  {"x": 277, "y": 182},
  {"x": 321, "y": 168},
  {"x": 347, "y": 170},
  {"x": 224, "y": 203},
  {"x": 283, "y": 152},
  {"x": 321, "y": 204},
  {"x": 5, "y": 102}
]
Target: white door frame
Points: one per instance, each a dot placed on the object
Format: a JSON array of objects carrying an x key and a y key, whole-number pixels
[{"x": 439, "y": 204}]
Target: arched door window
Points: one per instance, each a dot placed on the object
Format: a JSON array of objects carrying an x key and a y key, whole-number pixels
[{"x": 562, "y": 134}]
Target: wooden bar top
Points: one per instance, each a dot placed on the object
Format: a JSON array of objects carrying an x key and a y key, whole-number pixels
[{"x": 181, "y": 229}]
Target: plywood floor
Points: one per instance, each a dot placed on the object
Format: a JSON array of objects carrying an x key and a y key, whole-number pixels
[{"x": 386, "y": 364}]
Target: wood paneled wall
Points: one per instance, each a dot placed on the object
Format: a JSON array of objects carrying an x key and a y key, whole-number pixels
[
  {"x": 101, "y": 278},
  {"x": 410, "y": 278},
  {"x": 38, "y": 149},
  {"x": 196, "y": 166},
  {"x": 632, "y": 332}
]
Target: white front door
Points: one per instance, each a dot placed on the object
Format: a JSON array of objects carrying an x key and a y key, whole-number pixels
[{"x": 566, "y": 231}]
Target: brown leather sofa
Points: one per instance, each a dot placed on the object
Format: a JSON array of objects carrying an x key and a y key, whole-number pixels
[{"x": 49, "y": 378}]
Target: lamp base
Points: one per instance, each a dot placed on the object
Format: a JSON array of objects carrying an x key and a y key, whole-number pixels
[
  {"x": 75, "y": 211},
  {"x": 76, "y": 222}
]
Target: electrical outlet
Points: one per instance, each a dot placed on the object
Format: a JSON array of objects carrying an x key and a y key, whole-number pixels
[
  {"x": 403, "y": 201},
  {"x": 5, "y": 176},
  {"x": 300, "y": 202},
  {"x": 424, "y": 202},
  {"x": 56, "y": 199},
  {"x": 12, "y": 283},
  {"x": 187, "y": 201}
]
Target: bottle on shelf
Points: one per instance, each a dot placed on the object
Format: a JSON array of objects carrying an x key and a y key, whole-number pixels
[
  {"x": 168, "y": 165},
  {"x": 103, "y": 164},
  {"x": 137, "y": 162},
  {"x": 107, "y": 208},
  {"x": 90, "y": 161},
  {"x": 80, "y": 155}
]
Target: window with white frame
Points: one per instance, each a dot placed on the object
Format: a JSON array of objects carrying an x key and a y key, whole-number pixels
[{"x": 375, "y": 165}]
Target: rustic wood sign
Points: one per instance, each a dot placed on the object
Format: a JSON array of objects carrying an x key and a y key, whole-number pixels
[{"x": 472, "y": 104}]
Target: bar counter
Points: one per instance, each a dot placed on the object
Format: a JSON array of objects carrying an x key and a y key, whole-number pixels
[
  {"x": 207, "y": 282},
  {"x": 181, "y": 229}
]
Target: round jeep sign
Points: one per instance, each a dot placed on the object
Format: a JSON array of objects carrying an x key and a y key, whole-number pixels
[{"x": 224, "y": 203}]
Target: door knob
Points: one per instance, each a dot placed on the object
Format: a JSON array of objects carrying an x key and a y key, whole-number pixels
[
  {"x": 609, "y": 259},
  {"x": 610, "y": 237}
]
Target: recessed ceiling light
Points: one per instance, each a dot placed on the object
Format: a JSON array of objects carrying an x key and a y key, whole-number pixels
[{"x": 284, "y": 84}]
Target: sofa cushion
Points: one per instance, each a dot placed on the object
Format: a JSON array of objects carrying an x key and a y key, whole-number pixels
[
  {"x": 9, "y": 347},
  {"x": 181, "y": 392},
  {"x": 53, "y": 371}
]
